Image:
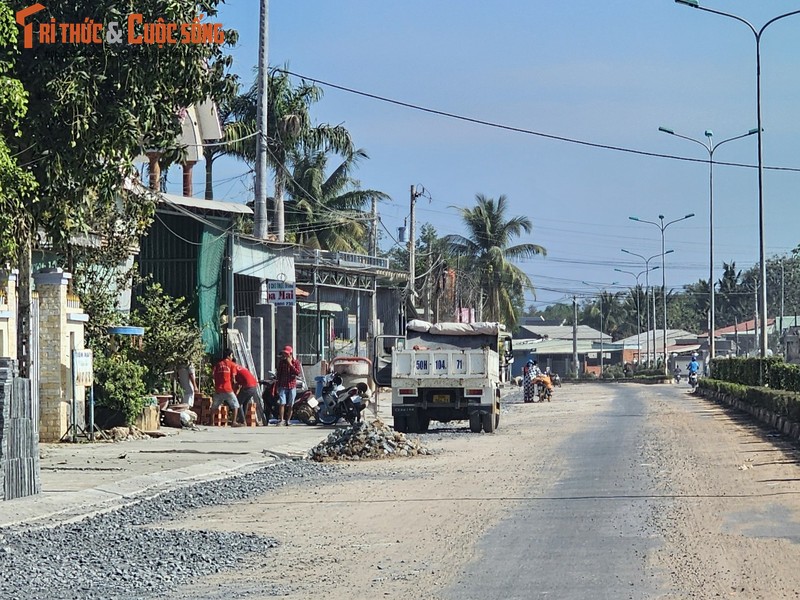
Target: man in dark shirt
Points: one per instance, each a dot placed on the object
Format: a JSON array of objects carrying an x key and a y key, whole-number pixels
[{"x": 288, "y": 370}]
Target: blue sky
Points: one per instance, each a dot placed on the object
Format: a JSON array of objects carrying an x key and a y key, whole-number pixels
[{"x": 604, "y": 72}]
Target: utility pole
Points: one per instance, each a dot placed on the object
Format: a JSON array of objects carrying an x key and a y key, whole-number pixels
[
  {"x": 373, "y": 238},
  {"x": 260, "y": 205},
  {"x": 412, "y": 245},
  {"x": 575, "y": 370}
]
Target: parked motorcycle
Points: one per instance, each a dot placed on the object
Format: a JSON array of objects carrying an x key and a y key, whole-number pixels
[
  {"x": 305, "y": 406},
  {"x": 337, "y": 402},
  {"x": 677, "y": 375}
]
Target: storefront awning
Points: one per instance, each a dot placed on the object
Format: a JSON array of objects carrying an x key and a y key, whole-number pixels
[{"x": 330, "y": 307}]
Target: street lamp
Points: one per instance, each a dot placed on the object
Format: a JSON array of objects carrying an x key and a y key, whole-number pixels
[
  {"x": 663, "y": 227},
  {"x": 710, "y": 148},
  {"x": 647, "y": 285},
  {"x": 638, "y": 312},
  {"x": 601, "y": 322},
  {"x": 761, "y": 256}
]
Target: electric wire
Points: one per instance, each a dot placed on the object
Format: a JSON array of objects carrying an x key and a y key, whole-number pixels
[{"x": 522, "y": 130}]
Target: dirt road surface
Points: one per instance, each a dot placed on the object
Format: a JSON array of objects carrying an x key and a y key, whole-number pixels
[{"x": 609, "y": 491}]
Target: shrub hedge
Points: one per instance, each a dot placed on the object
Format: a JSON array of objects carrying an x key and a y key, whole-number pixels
[
  {"x": 782, "y": 402},
  {"x": 746, "y": 371}
]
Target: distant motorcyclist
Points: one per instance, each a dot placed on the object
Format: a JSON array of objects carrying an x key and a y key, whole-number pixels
[{"x": 694, "y": 367}]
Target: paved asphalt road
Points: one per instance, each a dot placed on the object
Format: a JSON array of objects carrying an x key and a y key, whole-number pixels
[{"x": 583, "y": 533}]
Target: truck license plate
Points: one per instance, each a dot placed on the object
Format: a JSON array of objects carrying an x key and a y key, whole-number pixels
[{"x": 441, "y": 398}]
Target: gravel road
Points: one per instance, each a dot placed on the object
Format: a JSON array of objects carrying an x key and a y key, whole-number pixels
[{"x": 619, "y": 491}]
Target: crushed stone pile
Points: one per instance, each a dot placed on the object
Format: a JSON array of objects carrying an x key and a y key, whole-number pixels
[{"x": 364, "y": 441}]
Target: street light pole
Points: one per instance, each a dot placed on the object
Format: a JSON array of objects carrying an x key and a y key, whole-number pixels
[
  {"x": 601, "y": 323},
  {"x": 638, "y": 313},
  {"x": 710, "y": 147},
  {"x": 761, "y": 253},
  {"x": 662, "y": 226},
  {"x": 647, "y": 297}
]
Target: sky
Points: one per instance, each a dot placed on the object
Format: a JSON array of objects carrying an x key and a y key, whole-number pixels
[{"x": 608, "y": 73}]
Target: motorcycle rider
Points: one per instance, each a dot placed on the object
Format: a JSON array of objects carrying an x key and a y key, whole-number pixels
[{"x": 694, "y": 367}]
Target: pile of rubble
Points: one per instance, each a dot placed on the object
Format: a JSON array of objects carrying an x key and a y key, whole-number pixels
[{"x": 366, "y": 441}]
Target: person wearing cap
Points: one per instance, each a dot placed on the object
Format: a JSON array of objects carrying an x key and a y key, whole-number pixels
[{"x": 286, "y": 374}]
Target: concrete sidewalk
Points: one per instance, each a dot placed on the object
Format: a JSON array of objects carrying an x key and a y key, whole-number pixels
[{"x": 85, "y": 478}]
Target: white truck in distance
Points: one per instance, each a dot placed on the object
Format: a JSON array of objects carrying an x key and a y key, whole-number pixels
[{"x": 444, "y": 372}]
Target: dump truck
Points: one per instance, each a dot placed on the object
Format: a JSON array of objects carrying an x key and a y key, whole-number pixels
[{"x": 444, "y": 372}]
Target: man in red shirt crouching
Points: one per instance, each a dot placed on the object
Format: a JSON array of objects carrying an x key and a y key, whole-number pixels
[{"x": 249, "y": 392}]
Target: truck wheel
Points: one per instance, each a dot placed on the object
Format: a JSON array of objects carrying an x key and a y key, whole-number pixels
[
  {"x": 475, "y": 422},
  {"x": 400, "y": 424},
  {"x": 488, "y": 422},
  {"x": 424, "y": 421}
]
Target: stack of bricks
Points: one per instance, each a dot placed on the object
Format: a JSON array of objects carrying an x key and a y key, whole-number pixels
[
  {"x": 220, "y": 416},
  {"x": 202, "y": 408},
  {"x": 250, "y": 417},
  {"x": 19, "y": 439}
]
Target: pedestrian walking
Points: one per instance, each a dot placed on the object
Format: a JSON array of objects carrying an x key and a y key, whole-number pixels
[
  {"x": 288, "y": 370},
  {"x": 224, "y": 377}
]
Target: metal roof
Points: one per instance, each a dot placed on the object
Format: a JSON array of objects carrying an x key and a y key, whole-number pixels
[
  {"x": 564, "y": 332},
  {"x": 323, "y": 306},
  {"x": 552, "y": 346},
  {"x": 203, "y": 204}
]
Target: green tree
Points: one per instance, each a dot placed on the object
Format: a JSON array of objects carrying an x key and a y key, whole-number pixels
[
  {"x": 488, "y": 246},
  {"x": 16, "y": 184},
  {"x": 328, "y": 210},
  {"x": 171, "y": 335},
  {"x": 96, "y": 107},
  {"x": 733, "y": 300}
]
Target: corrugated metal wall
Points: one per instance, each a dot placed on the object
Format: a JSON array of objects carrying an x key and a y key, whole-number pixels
[
  {"x": 169, "y": 254},
  {"x": 388, "y": 309}
]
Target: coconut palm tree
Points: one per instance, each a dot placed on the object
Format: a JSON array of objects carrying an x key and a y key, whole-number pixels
[
  {"x": 328, "y": 210},
  {"x": 290, "y": 131},
  {"x": 487, "y": 246}
]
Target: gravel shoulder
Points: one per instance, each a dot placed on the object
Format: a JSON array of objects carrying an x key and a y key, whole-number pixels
[{"x": 721, "y": 506}]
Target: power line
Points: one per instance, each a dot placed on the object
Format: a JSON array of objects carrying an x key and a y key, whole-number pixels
[{"x": 522, "y": 130}]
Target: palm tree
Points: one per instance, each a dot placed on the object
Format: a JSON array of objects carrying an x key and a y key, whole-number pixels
[
  {"x": 289, "y": 131},
  {"x": 328, "y": 212},
  {"x": 487, "y": 247}
]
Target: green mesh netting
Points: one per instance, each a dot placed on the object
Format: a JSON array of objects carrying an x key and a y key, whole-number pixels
[{"x": 209, "y": 275}]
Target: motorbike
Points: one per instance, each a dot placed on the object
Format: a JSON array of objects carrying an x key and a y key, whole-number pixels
[
  {"x": 337, "y": 402},
  {"x": 305, "y": 407},
  {"x": 677, "y": 375},
  {"x": 544, "y": 387},
  {"x": 693, "y": 380}
]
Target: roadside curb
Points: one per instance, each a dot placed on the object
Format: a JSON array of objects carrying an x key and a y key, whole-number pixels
[
  {"x": 786, "y": 426},
  {"x": 54, "y": 508}
]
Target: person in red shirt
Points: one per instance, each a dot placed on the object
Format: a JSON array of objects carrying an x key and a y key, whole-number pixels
[
  {"x": 224, "y": 375},
  {"x": 248, "y": 391},
  {"x": 288, "y": 370}
]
